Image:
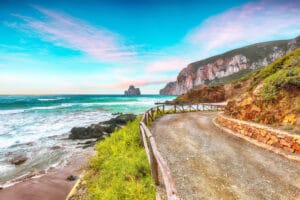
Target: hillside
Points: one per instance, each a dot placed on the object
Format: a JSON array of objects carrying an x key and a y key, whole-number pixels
[
  {"x": 218, "y": 90},
  {"x": 273, "y": 97},
  {"x": 243, "y": 60}
]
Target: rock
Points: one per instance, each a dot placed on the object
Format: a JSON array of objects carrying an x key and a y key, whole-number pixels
[
  {"x": 86, "y": 133},
  {"x": 132, "y": 91},
  {"x": 1, "y": 188},
  {"x": 72, "y": 178},
  {"x": 87, "y": 144},
  {"x": 29, "y": 143},
  {"x": 121, "y": 119},
  {"x": 18, "y": 160},
  {"x": 103, "y": 128},
  {"x": 55, "y": 147}
]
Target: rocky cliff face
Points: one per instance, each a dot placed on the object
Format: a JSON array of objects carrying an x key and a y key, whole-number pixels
[
  {"x": 249, "y": 57},
  {"x": 132, "y": 91}
]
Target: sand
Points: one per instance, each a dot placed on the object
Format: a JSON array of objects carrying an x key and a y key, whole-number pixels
[{"x": 51, "y": 186}]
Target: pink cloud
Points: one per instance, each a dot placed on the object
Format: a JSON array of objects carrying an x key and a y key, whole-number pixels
[
  {"x": 166, "y": 65},
  {"x": 252, "y": 22},
  {"x": 66, "y": 31}
]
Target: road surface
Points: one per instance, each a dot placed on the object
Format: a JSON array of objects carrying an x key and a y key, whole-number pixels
[{"x": 208, "y": 163}]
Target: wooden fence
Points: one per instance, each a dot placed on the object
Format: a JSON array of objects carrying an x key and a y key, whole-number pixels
[{"x": 157, "y": 163}]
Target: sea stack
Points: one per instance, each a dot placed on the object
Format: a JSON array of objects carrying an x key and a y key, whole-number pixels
[{"x": 132, "y": 91}]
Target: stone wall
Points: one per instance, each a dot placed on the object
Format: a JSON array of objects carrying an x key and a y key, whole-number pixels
[{"x": 267, "y": 135}]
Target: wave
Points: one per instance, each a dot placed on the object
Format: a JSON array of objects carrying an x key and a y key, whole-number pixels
[
  {"x": 8, "y": 112},
  {"x": 53, "y": 99},
  {"x": 16, "y": 111},
  {"x": 64, "y": 105},
  {"x": 117, "y": 103}
]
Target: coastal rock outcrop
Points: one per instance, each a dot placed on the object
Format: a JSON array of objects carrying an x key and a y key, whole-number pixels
[
  {"x": 249, "y": 57},
  {"x": 103, "y": 128},
  {"x": 132, "y": 91}
]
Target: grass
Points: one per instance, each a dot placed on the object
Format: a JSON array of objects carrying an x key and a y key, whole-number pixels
[{"x": 120, "y": 170}]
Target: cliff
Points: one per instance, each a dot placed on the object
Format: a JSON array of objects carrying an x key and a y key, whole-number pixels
[
  {"x": 238, "y": 60},
  {"x": 132, "y": 91}
]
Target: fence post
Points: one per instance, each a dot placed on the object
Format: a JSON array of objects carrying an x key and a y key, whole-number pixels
[
  {"x": 154, "y": 165},
  {"x": 141, "y": 136},
  {"x": 174, "y": 108},
  {"x": 163, "y": 108},
  {"x": 147, "y": 119}
]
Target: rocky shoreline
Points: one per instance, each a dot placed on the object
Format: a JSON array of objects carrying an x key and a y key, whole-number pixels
[{"x": 66, "y": 174}]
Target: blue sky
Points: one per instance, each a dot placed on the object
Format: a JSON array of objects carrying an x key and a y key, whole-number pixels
[{"x": 100, "y": 47}]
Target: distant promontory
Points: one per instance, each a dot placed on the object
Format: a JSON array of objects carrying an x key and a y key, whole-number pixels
[{"x": 132, "y": 91}]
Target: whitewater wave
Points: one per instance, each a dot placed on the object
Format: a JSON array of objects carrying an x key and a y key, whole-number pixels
[
  {"x": 16, "y": 111},
  {"x": 8, "y": 112},
  {"x": 51, "y": 99},
  {"x": 117, "y": 103},
  {"x": 64, "y": 105}
]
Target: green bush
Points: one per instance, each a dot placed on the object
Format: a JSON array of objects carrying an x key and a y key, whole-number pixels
[
  {"x": 281, "y": 78},
  {"x": 120, "y": 170}
]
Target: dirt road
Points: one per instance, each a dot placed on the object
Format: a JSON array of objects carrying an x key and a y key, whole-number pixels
[{"x": 207, "y": 163}]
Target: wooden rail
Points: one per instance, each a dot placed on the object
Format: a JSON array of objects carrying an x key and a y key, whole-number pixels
[{"x": 156, "y": 161}]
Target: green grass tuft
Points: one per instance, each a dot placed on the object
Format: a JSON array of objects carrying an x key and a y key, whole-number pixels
[{"x": 120, "y": 169}]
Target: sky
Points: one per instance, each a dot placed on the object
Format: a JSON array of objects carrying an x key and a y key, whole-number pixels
[{"x": 102, "y": 47}]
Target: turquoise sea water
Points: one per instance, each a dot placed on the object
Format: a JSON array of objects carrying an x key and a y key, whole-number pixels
[{"x": 31, "y": 125}]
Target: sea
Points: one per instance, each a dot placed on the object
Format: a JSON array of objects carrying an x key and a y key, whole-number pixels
[{"x": 37, "y": 127}]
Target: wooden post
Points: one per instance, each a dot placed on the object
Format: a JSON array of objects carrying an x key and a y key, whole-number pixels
[
  {"x": 147, "y": 119},
  {"x": 174, "y": 108},
  {"x": 141, "y": 136},
  {"x": 154, "y": 166},
  {"x": 163, "y": 108}
]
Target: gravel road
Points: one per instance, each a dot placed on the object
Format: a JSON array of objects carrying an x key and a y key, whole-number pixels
[{"x": 207, "y": 163}]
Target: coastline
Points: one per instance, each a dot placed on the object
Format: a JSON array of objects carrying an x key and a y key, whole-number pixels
[{"x": 51, "y": 186}]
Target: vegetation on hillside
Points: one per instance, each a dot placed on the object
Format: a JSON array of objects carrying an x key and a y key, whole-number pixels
[
  {"x": 120, "y": 169},
  {"x": 284, "y": 72},
  {"x": 273, "y": 96}
]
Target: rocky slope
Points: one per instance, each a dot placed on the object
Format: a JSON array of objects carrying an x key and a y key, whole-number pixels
[
  {"x": 249, "y": 57},
  {"x": 273, "y": 96},
  {"x": 215, "y": 93}
]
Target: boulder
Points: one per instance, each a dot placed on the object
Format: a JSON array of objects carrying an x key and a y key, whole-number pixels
[
  {"x": 92, "y": 131},
  {"x": 103, "y": 128},
  {"x": 121, "y": 119},
  {"x": 72, "y": 178},
  {"x": 55, "y": 147},
  {"x": 18, "y": 160}
]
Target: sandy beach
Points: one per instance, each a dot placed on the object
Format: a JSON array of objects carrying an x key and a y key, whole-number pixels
[{"x": 51, "y": 186}]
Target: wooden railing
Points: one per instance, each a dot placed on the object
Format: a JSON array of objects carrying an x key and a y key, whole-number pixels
[{"x": 156, "y": 161}]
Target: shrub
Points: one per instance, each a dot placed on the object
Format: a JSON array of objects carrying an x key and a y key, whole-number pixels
[{"x": 281, "y": 78}]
